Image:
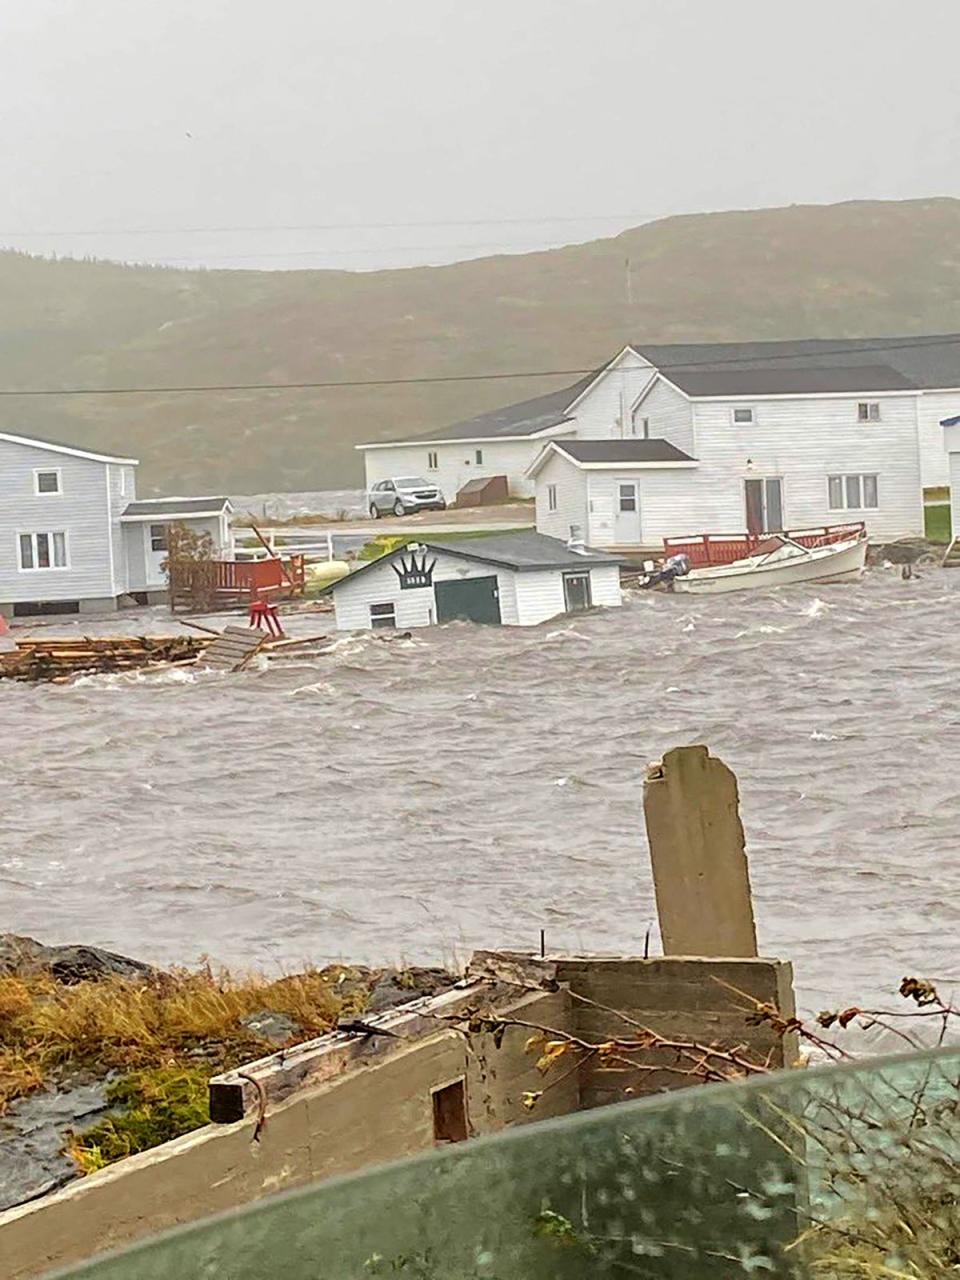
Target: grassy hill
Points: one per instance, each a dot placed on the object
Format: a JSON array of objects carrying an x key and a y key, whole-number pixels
[{"x": 862, "y": 268}]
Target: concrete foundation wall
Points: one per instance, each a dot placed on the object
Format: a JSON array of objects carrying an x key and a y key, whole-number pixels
[
  {"x": 681, "y": 999},
  {"x": 379, "y": 1107},
  {"x": 372, "y": 1114}
]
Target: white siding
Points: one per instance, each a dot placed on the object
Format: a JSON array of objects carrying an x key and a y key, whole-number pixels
[
  {"x": 671, "y": 417},
  {"x": 540, "y": 594},
  {"x": 605, "y": 586},
  {"x": 571, "y": 487},
  {"x": 456, "y": 463},
  {"x": 600, "y": 412},
  {"x": 804, "y": 440},
  {"x": 417, "y": 608},
  {"x": 952, "y": 443},
  {"x": 143, "y": 563},
  {"x": 80, "y": 510},
  {"x": 122, "y": 490},
  {"x": 932, "y": 408},
  {"x": 526, "y": 598},
  {"x": 671, "y": 504}
]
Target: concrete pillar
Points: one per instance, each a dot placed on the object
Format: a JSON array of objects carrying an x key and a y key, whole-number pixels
[{"x": 692, "y": 811}]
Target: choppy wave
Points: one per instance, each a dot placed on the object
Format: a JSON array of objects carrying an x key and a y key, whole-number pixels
[{"x": 472, "y": 786}]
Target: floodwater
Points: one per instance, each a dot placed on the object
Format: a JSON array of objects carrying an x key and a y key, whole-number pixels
[{"x": 470, "y": 786}]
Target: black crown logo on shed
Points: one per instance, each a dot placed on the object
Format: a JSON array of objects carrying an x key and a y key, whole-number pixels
[{"x": 414, "y": 573}]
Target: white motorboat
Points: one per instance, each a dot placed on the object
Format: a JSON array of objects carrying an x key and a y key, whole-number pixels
[{"x": 786, "y": 563}]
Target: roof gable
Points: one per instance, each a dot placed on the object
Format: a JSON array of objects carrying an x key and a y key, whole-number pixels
[
  {"x": 523, "y": 550},
  {"x": 525, "y": 418},
  {"x": 55, "y": 446}
]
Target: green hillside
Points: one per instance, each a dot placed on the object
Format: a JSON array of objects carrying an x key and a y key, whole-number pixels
[{"x": 865, "y": 268}]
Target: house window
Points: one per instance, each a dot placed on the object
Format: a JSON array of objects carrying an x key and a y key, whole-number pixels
[
  {"x": 853, "y": 493},
  {"x": 47, "y": 481},
  {"x": 43, "y": 550},
  {"x": 743, "y": 417},
  {"x": 628, "y": 496},
  {"x": 383, "y": 615},
  {"x": 639, "y": 426},
  {"x": 158, "y": 537},
  {"x": 868, "y": 411},
  {"x": 551, "y": 497},
  {"x": 479, "y": 457},
  {"x": 431, "y": 461},
  {"x": 450, "y": 1113}
]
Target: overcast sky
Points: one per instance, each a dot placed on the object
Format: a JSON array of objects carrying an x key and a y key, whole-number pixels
[{"x": 497, "y": 124}]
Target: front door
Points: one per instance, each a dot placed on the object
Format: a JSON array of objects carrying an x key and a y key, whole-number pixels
[
  {"x": 764, "y": 503},
  {"x": 626, "y": 532},
  {"x": 469, "y": 599},
  {"x": 576, "y": 592}
]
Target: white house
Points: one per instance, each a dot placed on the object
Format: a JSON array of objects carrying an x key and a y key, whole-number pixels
[
  {"x": 73, "y": 538},
  {"x": 728, "y": 450},
  {"x": 798, "y": 391},
  {"x": 501, "y": 443},
  {"x": 514, "y": 579}
]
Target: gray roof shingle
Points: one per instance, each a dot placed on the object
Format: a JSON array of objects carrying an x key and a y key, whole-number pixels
[
  {"x": 175, "y": 506},
  {"x": 771, "y": 380},
  {"x": 625, "y": 451},
  {"x": 523, "y": 549},
  {"x": 930, "y": 361},
  {"x": 523, "y": 419}
]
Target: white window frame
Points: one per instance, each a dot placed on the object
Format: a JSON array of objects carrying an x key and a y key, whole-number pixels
[
  {"x": 164, "y": 550},
  {"x": 123, "y": 481},
  {"x": 433, "y": 462},
  {"x": 375, "y": 619},
  {"x": 744, "y": 408},
  {"x": 871, "y": 411},
  {"x": 551, "y": 497},
  {"x": 50, "y": 493},
  {"x": 33, "y": 534},
  {"x": 860, "y": 476},
  {"x": 478, "y": 457},
  {"x": 637, "y": 416}
]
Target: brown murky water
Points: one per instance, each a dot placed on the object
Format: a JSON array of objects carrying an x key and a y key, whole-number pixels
[{"x": 471, "y": 786}]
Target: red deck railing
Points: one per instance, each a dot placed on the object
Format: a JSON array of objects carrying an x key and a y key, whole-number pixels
[
  {"x": 208, "y": 583},
  {"x": 723, "y": 548},
  {"x": 259, "y": 579}
]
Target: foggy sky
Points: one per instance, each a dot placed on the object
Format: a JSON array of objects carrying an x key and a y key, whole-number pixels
[{"x": 504, "y": 116}]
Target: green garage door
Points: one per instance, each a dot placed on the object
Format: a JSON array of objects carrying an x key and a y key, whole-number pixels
[{"x": 472, "y": 599}]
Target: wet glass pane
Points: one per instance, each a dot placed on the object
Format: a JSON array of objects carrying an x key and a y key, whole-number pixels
[{"x": 809, "y": 1173}]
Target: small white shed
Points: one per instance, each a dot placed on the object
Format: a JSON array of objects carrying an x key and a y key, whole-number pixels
[{"x": 514, "y": 579}]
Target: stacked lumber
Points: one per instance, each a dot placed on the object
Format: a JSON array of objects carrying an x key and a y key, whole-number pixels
[{"x": 59, "y": 660}]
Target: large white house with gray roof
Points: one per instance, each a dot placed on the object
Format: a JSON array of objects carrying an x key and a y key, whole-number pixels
[
  {"x": 74, "y": 538},
  {"x": 783, "y": 434}
]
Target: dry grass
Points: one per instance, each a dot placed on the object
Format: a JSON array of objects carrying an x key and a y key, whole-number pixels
[{"x": 178, "y": 1018}]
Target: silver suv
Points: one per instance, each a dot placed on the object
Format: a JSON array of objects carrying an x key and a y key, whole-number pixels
[{"x": 402, "y": 495}]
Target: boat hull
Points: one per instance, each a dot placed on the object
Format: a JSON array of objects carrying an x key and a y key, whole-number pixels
[{"x": 842, "y": 562}]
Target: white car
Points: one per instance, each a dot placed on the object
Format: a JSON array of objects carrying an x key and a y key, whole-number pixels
[{"x": 402, "y": 495}]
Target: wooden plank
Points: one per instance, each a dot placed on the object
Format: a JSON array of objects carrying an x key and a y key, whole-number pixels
[{"x": 235, "y": 1094}]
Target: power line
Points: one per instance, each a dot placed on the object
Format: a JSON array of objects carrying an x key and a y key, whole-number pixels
[{"x": 710, "y": 364}]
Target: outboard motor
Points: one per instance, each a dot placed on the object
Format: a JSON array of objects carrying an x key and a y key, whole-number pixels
[{"x": 673, "y": 567}]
